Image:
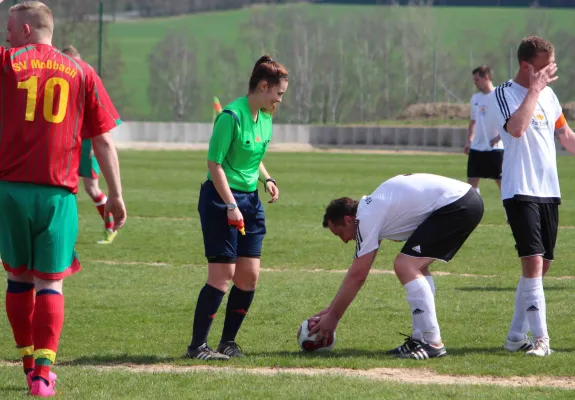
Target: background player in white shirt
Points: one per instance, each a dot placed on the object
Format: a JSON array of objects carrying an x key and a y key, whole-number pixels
[
  {"x": 434, "y": 215},
  {"x": 484, "y": 145},
  {"x": 531, "y": 117}
]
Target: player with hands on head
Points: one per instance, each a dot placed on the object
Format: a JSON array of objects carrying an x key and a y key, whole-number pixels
[{"x": 530, "y": 117}]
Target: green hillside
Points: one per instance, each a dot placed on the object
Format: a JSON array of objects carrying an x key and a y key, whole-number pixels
[{"x": 462, "y": 31}]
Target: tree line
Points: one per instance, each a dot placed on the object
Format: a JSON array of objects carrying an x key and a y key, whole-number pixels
[
  {"x": 363, "y": 68},
  {"x": 368, "y": 68},
  {"x": 461, "y": 3},
  {"x": 155, "y": 8},
  {"x": 152, "y": 8}
]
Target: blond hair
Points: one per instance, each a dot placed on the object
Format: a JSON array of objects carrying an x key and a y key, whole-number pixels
[
  {"x": 71, "y": 51},
  {"x": 36, "y": 14}
]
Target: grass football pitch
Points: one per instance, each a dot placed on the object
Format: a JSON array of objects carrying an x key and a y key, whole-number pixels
[{"x": 129, "y": 312}]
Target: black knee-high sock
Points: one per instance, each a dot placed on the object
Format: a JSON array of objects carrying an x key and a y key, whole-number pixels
[
  {"x": 239, "y": 303},
  {"x": 209, "y": 301}
]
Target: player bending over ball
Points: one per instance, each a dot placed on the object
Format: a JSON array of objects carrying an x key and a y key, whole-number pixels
[
  {"x": 47, "y": 98},
  {"x": 90, "y": 173},
  {"x": 434, "y": 215},
  {"x": 229, "y": 203}
]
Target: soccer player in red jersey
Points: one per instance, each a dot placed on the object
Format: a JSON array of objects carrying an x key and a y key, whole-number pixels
[
  {"x": 46, "y": 98},
  {"x": 90, "y": 173}
]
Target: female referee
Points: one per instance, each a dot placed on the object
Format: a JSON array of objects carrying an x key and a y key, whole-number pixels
[{"x": 231, "y": 214}]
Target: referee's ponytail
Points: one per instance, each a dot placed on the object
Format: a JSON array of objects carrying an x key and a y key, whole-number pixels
[{"x": 267, "y": 70}]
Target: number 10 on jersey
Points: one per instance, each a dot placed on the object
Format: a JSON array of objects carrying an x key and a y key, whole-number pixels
[{"x": 31, "y": 87}]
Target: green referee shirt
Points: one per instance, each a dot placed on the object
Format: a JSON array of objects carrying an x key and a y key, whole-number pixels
[{"x": 240, "y": 145}]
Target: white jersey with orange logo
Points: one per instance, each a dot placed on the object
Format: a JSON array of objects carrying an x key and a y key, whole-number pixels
[{"x": 530, "y": 161}]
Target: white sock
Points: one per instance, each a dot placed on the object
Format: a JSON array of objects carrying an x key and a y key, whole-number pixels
[
  {"x": 519, "y": 323},
  {"x": 416, "y": 332},
  {"x": 422, "y": 304},
  {"x": 535, "y": 307},
  {"x": 431, "y": 283}
]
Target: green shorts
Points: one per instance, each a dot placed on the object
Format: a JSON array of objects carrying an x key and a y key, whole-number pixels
[
  {"x": 89, "y": 167},
  {"x": 38, "y": 230}
]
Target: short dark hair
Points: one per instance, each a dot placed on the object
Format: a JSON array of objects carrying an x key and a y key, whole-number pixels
[
  {"x": 338, "y": 209},
  {"x": 483, "y": 71},
  {"x": 71, "y": 51},
  {"x": 531, "y": 46}
]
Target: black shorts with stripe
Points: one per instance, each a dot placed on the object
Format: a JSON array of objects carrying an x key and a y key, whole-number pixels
[
  {"x": 443, "y": 233},
  {"x": 534, "y": 226},
  {"x": 485, "y": 164}
]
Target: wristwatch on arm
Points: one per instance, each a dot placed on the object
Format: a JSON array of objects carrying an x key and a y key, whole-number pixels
[
  {"x": 231, "y": 206},
  {"x": 269, "y": 180}
]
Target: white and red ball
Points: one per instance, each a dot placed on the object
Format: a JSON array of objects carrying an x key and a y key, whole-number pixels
[{"x": 307, "y": 342}]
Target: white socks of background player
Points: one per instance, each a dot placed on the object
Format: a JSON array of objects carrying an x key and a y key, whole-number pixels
[
  {"x": 422, "y": 304},
  {"x": 535, "y": 307},
  {"x": 519, "y": 323}
]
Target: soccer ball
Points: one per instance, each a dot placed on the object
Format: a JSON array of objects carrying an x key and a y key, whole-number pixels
[{"x": 307, "y": 342}]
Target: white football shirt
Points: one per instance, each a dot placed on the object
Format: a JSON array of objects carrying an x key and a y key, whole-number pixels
[
  {"x": 399, "y": 205},
  {"x": 530, "y": 162},
  {"x": 483, "y": 132}
]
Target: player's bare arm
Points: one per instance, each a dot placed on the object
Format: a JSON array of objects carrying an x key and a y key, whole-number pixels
[
  {"x": 495, "y": 140},
  {"x": 271, "y": 187},
  {"x": 567, "y": 138},
  {"x": 521, "y": 118},
  {"x": 107, "y": 157},
  {"x": 470, "y": 134},
  {"x": 352, "y": 283}
]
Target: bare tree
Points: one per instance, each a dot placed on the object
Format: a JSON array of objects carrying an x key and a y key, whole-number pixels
[
  {"x": 419, "y": 43},
  {"x": 173, "y": 76},
  {"x": 75, "y": 22},
  {"x": 289, "y": 36},
  {"x": 228, "y": 77},
  {"x": 113, "y": 69},
  {"x": 368, "y": 65},
  {"x": 260, "y": 34},
  {"x": 343, "y": 68},
  {"x": 336, "y": 76},
  {"x": 298, "y": 47}
]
